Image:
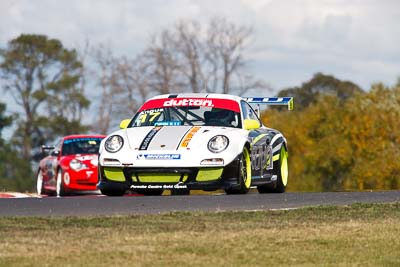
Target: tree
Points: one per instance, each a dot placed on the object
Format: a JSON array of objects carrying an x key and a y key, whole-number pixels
[
  {"x": 5, "y": 121},
  {"x": 349, "y": 144},
  {"x": 192, "y": 58},
  {"x": 183, "y": 58},
  {"x": 320, "y": 84},
  {"x": 13, "y": 169},
  {"x": 124, "y": 86},
  {"x": 44, "y": 79}
]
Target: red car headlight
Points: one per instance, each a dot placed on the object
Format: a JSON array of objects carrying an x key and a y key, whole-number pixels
[{"x": 77, "y": 165}]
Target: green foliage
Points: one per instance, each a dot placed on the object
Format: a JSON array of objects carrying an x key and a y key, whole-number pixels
[
  {"x": 320, "y": 84},
  {"x": 343, "y": 145},
  {"x": 4, "y": 120},
  {"x": 44, "y": 79},
  {"x": 14, "y": 171}
]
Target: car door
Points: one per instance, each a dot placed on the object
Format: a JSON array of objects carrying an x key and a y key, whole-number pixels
[
  {"x": 260, "y": 151},
  {"x": 51, "y": 164}
]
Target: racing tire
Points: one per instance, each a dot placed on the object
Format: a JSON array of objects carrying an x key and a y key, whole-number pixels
[
  {"x": 60, "y": 187},
  {"x": 112, "y": 193},
  {"x": 244, "y": 174},
  {"x": 281, "y": 170},
  {"x": 150, "y": 192},
  {"x": 39, "y": 183}
]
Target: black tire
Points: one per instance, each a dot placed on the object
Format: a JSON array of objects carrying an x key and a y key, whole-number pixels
[
  {"x": 112, "y": 193},
  {"x": 60, "y": 187},
  {"x": 150, "y": 192},
  {"x": 244, "y": 174},
  {"x": 280, "y": 169}
]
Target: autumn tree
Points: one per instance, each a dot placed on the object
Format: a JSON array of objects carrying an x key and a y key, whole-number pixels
[
  {"x": 371, "y": 126},
  {"x": 44, "y": 79},
  {"x": 349, "y": 144}
]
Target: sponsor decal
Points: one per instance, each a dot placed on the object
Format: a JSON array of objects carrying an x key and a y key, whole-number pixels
[
  {"x": 146, "y": 141},
  {"x": 261, "y": 157},
  {"x": 188, "y": 137},
  {"x": 189, "y": 102},
  {"x": 179, "y": 185},
  {"x": 158, "y": 156},
  {"x": 168, "y": 123},
  {"x": 157, "y": 110}
]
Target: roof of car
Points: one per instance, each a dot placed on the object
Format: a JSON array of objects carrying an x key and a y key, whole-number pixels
[
  {"x": 83, "y": 136},
  {"x": 198, "y": 95}
]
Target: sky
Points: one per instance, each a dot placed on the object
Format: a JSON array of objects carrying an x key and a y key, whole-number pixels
[{"x": 355, "y": 40}]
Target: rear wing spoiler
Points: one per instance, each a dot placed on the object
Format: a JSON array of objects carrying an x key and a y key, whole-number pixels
[{"x": 271, "y": 101}]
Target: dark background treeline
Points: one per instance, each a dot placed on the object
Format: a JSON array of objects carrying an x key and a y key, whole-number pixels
[{"x": 340, "y": 136}]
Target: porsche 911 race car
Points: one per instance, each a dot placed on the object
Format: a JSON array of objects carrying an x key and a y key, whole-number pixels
[
  {"x": 195, "y": 141},
  {"x": 70, "y": 166}
]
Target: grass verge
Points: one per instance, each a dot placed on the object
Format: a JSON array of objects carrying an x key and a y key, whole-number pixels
[{"x": 356, "y": 235}]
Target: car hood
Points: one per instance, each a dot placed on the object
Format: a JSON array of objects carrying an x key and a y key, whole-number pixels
[
  {"x": 88, "y": 159},
  {"x": 172, "y": 146},
  {"x": 173, "y": 137}
]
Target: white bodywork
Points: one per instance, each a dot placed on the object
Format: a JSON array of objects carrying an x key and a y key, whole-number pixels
[{"x": 173, "y": 146}]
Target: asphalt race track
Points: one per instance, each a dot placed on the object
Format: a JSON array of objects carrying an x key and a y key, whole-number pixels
[{"x": 94, "y": 205}]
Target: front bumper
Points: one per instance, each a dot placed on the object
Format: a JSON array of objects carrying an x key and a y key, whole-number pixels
[
  {"x": 84, "y": 180},
  {"x": 204, "y": 178}
]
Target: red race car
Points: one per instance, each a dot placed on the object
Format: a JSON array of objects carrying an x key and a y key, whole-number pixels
[{"x": 71, "y": 165}]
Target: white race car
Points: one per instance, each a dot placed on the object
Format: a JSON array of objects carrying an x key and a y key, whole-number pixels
[{"x": 195, "y": 141}]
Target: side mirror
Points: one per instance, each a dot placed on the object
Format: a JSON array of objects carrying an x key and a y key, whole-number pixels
[
  {"x": 124, "y": 124},
  {"x": 251, "y": 124},
  {"x": 55, "y": 153},
  {"x": 46, "y": 149}
]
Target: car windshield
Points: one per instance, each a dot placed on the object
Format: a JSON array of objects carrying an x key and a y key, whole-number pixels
[
  {"x": 184, "y": 111},
  {"x": 89, "y": 145}
]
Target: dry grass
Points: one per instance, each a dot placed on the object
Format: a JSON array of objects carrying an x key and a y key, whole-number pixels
[{"x": 359, "y": 235}]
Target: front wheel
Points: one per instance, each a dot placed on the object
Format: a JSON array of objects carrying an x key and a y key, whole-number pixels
[
  {"x": 60, "y": 187},
  {"x": 244, "y": 174},
  {"x": 39, "y": 183}
]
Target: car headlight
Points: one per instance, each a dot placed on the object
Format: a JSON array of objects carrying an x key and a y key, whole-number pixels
[
  {"x": 77, "y": 165},
  {"x": 218, "y": 143},
  {"x": 113, "y": 143}
]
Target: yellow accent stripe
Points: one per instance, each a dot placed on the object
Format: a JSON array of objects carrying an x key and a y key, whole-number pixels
[
  {"x": 159, "y": 177},
  {"x": 276, "y": 157},
  {"x": 290, "y": 104},
  {"x": 114, "y": 174},
  {"x": 209, "y": 174}
]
